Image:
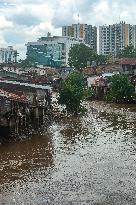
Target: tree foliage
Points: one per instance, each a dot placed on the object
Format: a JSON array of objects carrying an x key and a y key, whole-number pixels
[
  {"x": 121, "y": 89},
  {"x": 26, "y": 63},
  {"x": 101, "y": 59},
  {"x": 73, "y": 92},
  {"x": 127, "y": 52},
  {"x": 79, "y": 55}
]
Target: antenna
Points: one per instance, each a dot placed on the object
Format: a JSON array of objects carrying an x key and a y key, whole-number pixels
[
  {"x": 78, "y": 18},
  {"x": 78, "y": 28}
]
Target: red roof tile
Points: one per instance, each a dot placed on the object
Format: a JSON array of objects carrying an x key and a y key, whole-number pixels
[
  {"x": 13, "y": 96},
  {"x": 127, "y": 61}
]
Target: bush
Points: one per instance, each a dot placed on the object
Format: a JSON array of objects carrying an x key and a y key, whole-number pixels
[
  {"x": 120, "y": 89},
  {"x": 73, "y": 92}
]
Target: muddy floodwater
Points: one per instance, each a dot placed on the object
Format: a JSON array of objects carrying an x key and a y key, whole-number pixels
[{"x": 88, "y": 159}]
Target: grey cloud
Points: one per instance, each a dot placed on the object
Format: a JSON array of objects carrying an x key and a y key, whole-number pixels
[
  {"x": 64, "y": 15},
  {"x": 25, "y": 19},
  {"x": 21, "y": 1},
  {"x": 6, "y": 4},
  {"x": 61, "y": 20},
  {"x": 87, "y": 9},
  {"x": 33, "y": 2},
  {"x": 13, "y": 36}
]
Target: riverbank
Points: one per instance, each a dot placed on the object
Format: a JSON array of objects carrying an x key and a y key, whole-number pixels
[{"x": 113, "y": 107}]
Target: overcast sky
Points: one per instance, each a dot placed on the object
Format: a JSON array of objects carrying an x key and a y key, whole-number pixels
[{"x": 26, "y": 20}]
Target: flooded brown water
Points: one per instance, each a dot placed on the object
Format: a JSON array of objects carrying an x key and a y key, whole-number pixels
[{"x": 81, "y": 160}]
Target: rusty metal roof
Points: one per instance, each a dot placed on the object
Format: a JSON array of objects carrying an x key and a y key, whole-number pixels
[
  {"x": 13, "y": 96},
  {"x": 127, "y": 61}
]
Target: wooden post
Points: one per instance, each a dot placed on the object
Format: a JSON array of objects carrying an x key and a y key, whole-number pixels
[
  {"x": 36, "y": 117},
  {"x": 17, "y": 125},
  {"x": 17, "y": 118},
  {"x": 43, "y": 114}
]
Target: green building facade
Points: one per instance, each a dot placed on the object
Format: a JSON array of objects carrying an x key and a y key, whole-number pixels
[{"x": 50, "y": 54}]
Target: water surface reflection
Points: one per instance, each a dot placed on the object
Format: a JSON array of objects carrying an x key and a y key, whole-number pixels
[{"x": 86, "y": 160}]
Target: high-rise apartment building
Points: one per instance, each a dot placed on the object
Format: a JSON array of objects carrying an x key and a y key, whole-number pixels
[
  {"x": 104, "y": 40},
  {"x": 84, "y": 32},
  {"x": 134, "y": 36},
  {"x": 68, "y": 31},
  {"x": 8, "y": 55},
  {"x": 113, "y": 38}
]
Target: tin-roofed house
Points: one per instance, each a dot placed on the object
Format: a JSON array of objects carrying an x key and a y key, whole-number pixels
[{"x": 128, "y": 65}]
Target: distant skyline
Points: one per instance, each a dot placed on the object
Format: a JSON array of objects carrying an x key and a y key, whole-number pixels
[{"x": 26, "y": 20}]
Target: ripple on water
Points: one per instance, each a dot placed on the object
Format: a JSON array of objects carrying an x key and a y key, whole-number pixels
[{"x": 88, "y": 159}]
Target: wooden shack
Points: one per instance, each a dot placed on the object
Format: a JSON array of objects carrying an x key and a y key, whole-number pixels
[{"x": 22, "y": 104}]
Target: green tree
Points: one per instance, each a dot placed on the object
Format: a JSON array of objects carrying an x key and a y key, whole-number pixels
[
  {"x": 79, "y": 55},
  {"x": 120, "y": 89},
  {"x": 72, "y": 92},
  {"x": 16, "y": 54},
  {"x": 26, "y": 63},
  {"x": 101, "y": 59},
  {"x": 127, "y": 52}
]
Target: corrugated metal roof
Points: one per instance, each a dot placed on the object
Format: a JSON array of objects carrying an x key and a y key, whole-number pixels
[
  {"x": 127, "y": 61},
  {"x": 36, "y": 86}
]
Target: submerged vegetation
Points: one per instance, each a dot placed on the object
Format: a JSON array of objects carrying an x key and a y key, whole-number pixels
[
  {"x": 73, "y": 92},
  {"x": 120, "y": 89}
]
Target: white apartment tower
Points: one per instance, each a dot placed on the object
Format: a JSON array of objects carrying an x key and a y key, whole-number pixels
[
  {"x": 104, "y": 40},
  {"x": 113, "y": 38},
  {"x": 8, "y": 55},
  {"x": 134, "y": 36}
]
